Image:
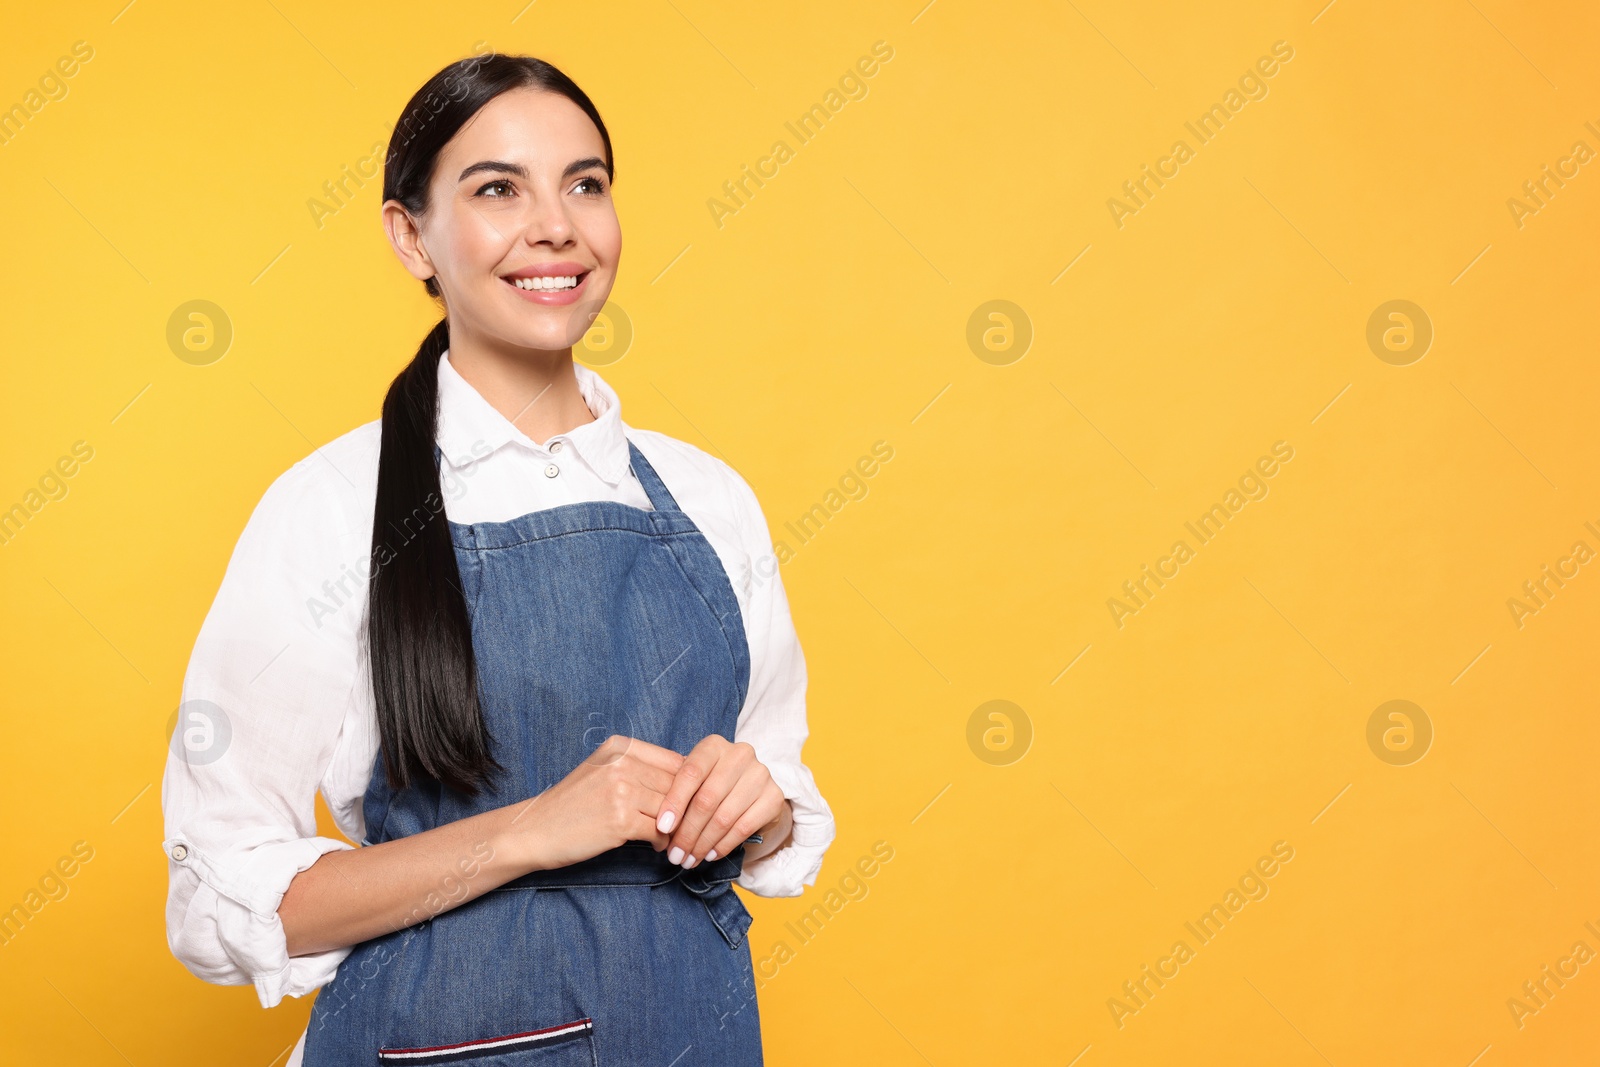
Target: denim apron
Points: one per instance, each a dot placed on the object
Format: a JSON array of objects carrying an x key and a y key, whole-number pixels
[{"x": 588, "y": 619}]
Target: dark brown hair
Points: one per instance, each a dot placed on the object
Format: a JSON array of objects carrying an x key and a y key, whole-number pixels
[{"x": 424, "y": 678}]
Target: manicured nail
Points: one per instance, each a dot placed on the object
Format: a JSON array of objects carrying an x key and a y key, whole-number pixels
[
  {"x": 664, "y": 824},
  {"x": 711, "y": 855},
  {"x": 675, "y": 855},
  {"x": 690, "y": 862}
]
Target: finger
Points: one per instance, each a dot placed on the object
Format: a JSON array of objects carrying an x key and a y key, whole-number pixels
[
  {"x": 620, "y": 746},
  {"x": 642, "y": 800},
  {"x": 705, "y": 805},
  {"x": 693, "y": 770},
  {"x": 740, "y": 815},
  {"x": 658, "y": 780},
  {"x": 651, "y": 783}
]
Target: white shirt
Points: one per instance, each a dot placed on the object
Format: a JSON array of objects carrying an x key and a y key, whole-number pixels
[{"x": 282, "y": 653}]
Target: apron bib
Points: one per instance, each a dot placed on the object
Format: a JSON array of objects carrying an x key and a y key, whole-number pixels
[{"x": 588, "y": 619}]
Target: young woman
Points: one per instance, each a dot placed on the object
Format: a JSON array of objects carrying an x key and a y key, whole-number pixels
[{"x": 539, "y": 662}]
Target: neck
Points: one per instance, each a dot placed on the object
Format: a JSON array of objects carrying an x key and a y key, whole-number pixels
[{"x": 536, "y": 390}]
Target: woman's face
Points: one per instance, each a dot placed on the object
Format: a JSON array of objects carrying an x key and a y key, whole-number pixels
[{"x": 520, "y": 192}]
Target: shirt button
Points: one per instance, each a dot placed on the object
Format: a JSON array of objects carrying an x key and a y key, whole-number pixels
[
  {"x": 551, "y": 471},
  {"x": 558, "y": 446},
  {"x": 180, "y": 853}
]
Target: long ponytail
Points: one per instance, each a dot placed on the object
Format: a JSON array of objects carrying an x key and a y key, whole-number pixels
[{"x": 419, "y": 636}]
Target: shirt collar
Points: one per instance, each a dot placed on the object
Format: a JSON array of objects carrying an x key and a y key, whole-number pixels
[{"x": 468, "y": 423}]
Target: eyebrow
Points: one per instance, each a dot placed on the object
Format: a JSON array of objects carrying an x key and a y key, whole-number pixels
[{"x": 522, "y": 172}]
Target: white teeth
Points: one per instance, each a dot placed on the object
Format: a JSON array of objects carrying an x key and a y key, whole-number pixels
[{"x": 569, "y": 281}]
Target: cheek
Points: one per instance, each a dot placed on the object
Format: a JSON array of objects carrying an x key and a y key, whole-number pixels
[
  {"x": 478, "y": 244},
  {"x": 603, "y": 234},
  {"x": 470, "y": 244}
]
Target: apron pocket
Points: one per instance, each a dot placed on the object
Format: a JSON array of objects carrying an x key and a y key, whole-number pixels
[{"x": 568, "y": 1045}]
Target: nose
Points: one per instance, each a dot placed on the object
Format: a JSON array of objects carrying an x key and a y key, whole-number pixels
[{"x": 547, "y": 220}]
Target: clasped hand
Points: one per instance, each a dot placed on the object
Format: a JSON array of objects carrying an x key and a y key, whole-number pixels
[
  {"x": 720, "y": 795},
  {"x": 695, "y": 807}
]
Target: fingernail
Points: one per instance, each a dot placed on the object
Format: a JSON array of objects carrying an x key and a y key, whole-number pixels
[
  {"x": 664, "y": 824},
  {"x": 675, "y": 855},
  {"x": 711, "y": 855},
  {"x": 690, "y": 862}
]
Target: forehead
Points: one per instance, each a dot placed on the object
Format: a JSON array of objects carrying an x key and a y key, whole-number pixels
[{"x": 538, "y": 129}]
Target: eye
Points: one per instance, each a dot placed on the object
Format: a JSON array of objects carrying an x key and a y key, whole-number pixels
[
  {"x": 597, "y": 186},
  {"x": 497, "y": 183}
]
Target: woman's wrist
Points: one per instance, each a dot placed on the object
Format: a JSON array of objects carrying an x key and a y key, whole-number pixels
[
  {"x": 774, "y": 835},
  {"x": 518, "y": 838}
]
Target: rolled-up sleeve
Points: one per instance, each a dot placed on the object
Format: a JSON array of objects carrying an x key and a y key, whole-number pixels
[
  {"x": 264, "y": 698},
  {"x": 773, "y": 719}
]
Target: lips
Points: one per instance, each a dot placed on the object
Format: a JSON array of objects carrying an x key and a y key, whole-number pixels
[
  {"x": 550, "y": 297},
  {"x": 554, "y": 269},
  {"x": 536, "y": 287}
]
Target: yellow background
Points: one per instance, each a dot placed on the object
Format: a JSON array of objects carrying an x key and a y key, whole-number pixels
[{"x": 831, "y": 311}]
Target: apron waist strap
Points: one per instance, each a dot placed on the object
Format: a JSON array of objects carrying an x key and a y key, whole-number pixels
[
  {"x": 632, "y": 863},
  {"x": 638, "y": 863}
]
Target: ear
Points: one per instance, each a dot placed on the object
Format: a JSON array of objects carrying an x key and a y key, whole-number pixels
[{"x": 406, "y": 239}]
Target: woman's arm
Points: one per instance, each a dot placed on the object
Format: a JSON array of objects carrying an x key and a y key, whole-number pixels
[
  {"x": 353, "y": 895},
  {"x": 772, "y": 723},
  {"x": 270, "y": 713}
]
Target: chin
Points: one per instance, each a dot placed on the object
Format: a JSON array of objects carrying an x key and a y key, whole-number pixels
[
  {"x": 546, "y": 340},
  {"x": 552, "y": 329}
]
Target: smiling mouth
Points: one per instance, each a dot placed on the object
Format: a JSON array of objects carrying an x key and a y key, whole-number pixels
[{"x": 555, "y": 284}]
